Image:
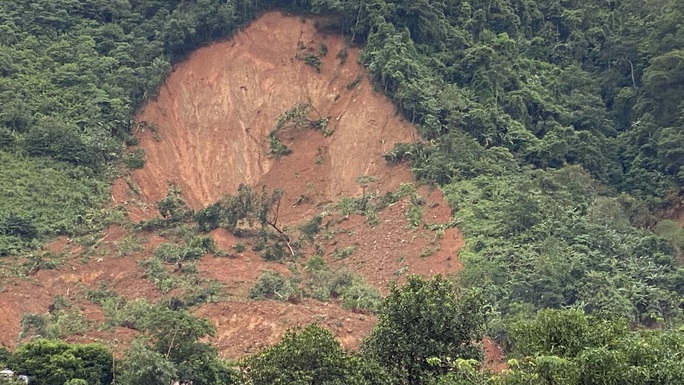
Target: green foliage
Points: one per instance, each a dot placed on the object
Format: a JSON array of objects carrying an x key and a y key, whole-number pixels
[
  {"x": 129, "y": 245},
  {"x": 313, "y": 61},
  {"x": 273, "y": 285},
  {"x": 135, "y": 160},
  {"x": 239, "y": 248},
  {"x": 422, "y": 320},
  {"x": 554, "y": 239},
  {"x": 101, "y": 295},
  {"x": 571, "y": 348},
  {"x": 278, "y": 148},
  {"x": 244, "y": 209},
  {"x": 4, "y": 356},
  {"x": 72, "y": 77},
  {"x": 143, "y": 365},
  {"x": 354, "y": 83},
  {"x": 322, "y": 284},
  {"x": 297, "y": 118},
  {"x": 311, "y": 356},
  {"x": 174, "y": 266},
  {"x": 311, "y": 227},
  {"x": 62, "y": 322},
  {"x": 40, "y": 198},
  {"x": 170, "y": 348},
  {"x": 50, "y": 362},
  {"x": 275, "y": 251},
  {"x": 564, "y": 333},
  {"x": 461, "y": 372},
  {"x": 369, "y": 204},
  {"x": 156, "y": 272},
  {"x": 344, "y": 253},
  {"x": 195, "y": 247},
  {"x": 173, "y": 207}
]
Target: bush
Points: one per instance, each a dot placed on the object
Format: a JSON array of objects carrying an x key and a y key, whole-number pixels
[
  {"x": 275, "y": 252},
  {"x": 278, "y": 148},
  {"x": 56, "y": 363},
  {"x": 273, "y": 285},
  {"x": 311, "y": 356},
  {"x": 313, "y": 61},
  {"x": 135, "y": 160},
  {"x": 361, "y": 296},
  {"x": 311, "y": 227}
]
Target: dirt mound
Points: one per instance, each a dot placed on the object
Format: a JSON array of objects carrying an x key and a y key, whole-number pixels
[{"x": 208, "y": 130}]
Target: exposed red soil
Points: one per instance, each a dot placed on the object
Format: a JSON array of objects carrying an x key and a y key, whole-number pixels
[
  {"x": 207, "y": 132},
  {"x": 247, "y": 327},
  {"x": 494, "y": 357},
  {"x": 216, "y": 110}
]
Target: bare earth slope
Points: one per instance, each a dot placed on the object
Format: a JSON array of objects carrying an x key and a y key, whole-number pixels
[
  {"x": 207, "y": 132},
  {"x": 217, "y": 108}
]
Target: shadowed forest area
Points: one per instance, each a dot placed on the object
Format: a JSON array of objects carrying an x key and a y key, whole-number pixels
[{"x": 555, "y": 130}]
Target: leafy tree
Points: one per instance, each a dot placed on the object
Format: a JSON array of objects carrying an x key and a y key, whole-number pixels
[
  {"x": 51, "y": 362},
  {"x": 171, "y": 348},
  {"x": 143, "y": 365},
  {"x": 425, "y": 319},
  {"x": 311, "y": 356}
]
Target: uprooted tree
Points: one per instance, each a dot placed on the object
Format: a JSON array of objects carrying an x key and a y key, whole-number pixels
[{"x": 243, "y": 211}]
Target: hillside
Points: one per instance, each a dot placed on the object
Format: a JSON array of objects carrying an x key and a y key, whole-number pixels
[
  {"x": 212, "y": 121},
  {"x": 186, "y": 182}
]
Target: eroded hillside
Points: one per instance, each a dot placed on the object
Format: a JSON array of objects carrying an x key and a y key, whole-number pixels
[
  {"x": 210, "y": 130},
  {"x": 214, "y": 115}
]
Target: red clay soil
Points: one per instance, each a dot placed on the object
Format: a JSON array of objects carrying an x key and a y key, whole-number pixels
[
  {"x": 207, "y": 132},
  {"x": 247, "y": 327},
  {"x": 216, "y": 110},
  {"x": 494, "y": 357}
]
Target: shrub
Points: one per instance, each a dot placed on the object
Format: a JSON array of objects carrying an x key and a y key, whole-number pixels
[
  {"x": 278, "y": 148},
  {"x": 313, "y": 61},
  {"x": 311, "y": 227},
  {"x": 273, "y": 285},
  {"x": 344, "y": 253}
]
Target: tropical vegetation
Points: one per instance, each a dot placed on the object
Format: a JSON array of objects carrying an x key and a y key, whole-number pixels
[{"x": 555, "y": 129}]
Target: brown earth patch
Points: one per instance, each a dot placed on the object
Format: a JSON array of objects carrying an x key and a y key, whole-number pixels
[
  {"x": 247, "y": 327},
  {"x": 494, "y": 357},
  {"x": 213, "y": 116}
]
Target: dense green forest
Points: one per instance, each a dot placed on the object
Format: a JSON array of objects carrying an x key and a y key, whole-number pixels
[{"x": 555, "y": 129}]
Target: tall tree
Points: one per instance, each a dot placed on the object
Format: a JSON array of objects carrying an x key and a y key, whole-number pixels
[{"x": 425, "y": 319}]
